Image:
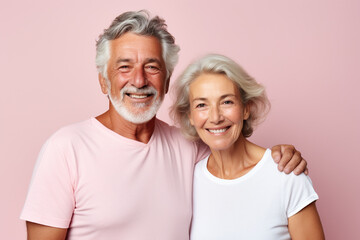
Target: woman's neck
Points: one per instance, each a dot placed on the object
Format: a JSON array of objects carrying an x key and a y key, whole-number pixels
[{"x": 235, "y": 161}]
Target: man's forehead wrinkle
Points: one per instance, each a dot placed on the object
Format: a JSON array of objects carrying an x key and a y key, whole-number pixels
[
  {"x": 146, "y": 60},
  {"x": 119, "y": 60},
  {"x": 152, "y": 60}
]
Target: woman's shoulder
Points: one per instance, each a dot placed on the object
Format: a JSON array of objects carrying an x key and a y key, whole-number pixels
[
  {"x": 256, "y": 152},
  {"x": 271, "y": 169}
]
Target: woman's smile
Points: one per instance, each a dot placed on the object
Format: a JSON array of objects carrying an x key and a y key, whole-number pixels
[{"x": 217, "y": 112}]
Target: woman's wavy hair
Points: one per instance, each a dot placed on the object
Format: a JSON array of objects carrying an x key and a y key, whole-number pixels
[{"x": 252, "y": 93}]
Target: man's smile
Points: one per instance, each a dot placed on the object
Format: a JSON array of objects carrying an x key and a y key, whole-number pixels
[{"x": 138, "y": 96}]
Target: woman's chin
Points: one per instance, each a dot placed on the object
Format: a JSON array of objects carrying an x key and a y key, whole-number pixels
[{"x": 219, "y": 146}]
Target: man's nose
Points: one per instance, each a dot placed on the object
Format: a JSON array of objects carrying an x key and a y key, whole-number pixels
[
  {"x": 138, "y": 78},
  {"x": 216, "y": 115}
]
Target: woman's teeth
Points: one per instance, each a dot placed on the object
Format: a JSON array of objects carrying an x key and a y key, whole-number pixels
[{"x": 218, "y": 130}]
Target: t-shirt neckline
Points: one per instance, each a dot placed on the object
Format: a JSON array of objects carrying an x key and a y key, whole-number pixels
[
  {"x": 239, "y": 179},
  {"x": 121, "y": 138}
]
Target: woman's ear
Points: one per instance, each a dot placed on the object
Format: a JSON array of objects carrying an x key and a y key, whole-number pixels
[
  {"x": 246, "y": 112},
  {"x": 103, "y": 84},
  {"x": 190, "y": 119}
]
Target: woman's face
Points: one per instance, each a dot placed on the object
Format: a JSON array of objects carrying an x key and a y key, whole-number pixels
[{"x": 216, "y": 110}]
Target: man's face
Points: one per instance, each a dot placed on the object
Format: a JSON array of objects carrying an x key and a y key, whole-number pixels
[{"x": 136, "y": 77}]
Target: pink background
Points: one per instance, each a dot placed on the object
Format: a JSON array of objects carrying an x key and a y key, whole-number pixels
[{"x": 306, "y": 53}]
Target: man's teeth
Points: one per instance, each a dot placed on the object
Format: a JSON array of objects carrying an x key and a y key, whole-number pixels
[
  {"x": 218, "y": 130},
  {"x": 137, "y": 96}
]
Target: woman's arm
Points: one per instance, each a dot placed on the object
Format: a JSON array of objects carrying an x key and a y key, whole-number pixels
[
  {"x": 41, "y": 232},
  {"x": 306, "y": 224}
]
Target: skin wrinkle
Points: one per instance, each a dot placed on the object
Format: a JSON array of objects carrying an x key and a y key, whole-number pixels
[
  {"x": 138, "y": 78},
  {"x": 221, "y": 108}
]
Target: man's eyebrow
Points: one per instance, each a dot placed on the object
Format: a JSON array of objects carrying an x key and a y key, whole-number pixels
[
  {"x": 147, "y": 60},
  {"x": 153, "y": 60},
  {"x": 120, "y": 60}
]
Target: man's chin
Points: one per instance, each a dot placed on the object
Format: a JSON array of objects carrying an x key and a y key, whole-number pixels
[
  {"x": 139, "y": 116},
  {"x": 137, "y": 113}
]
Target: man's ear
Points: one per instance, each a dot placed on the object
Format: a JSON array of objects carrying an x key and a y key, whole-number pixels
[
  {"x": 167, "y": 84},
  {"x": 103, "y": 84}
]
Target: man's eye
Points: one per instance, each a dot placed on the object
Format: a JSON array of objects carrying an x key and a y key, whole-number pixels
[
  {"x": 124, "y": 67},
  {"x": 152, "y": 69}
]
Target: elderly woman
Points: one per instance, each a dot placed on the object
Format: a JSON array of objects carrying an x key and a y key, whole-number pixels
[{"x": 238, "y": 191}]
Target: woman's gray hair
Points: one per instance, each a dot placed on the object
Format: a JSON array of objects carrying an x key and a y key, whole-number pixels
[
  {"x": 139, "y": 23},
  {"x": 252, "y": 93}
]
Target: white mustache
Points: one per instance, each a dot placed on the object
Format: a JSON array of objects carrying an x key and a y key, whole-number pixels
[{"x": 131, "y": 89}]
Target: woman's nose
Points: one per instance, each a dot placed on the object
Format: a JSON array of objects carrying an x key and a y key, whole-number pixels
[{"x": 216, "y": 116}]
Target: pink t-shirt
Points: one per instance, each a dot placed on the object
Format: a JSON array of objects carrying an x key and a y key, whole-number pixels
[{"x": 101, "y": 185}]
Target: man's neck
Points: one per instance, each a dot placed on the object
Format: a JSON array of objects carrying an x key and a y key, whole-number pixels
[{"x": 138, "y": 132}]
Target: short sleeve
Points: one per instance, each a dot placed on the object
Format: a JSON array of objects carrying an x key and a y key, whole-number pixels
[
  {"x": 299, "y": 193},
  {"x": 50, "y": 200}
]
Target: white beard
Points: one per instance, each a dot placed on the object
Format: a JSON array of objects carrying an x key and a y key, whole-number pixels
[{"x": 131, "y": 115}]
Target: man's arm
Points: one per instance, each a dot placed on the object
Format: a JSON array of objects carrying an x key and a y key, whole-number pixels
[
  {"x": 41, "y": 232},
  {"x": 55, "y": 208},
  {"x": 289, "y": 159}
]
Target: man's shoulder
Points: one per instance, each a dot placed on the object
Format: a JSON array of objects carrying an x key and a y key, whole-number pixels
[
  {"x": 71, "y": 131},
  {"x": 163, "y": 126},
  {"x": 64, "y": 141},
  {"x": 172, "y": 133}
]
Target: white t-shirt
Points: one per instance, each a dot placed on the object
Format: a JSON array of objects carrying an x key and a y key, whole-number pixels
[
  {"x": 255, "y": 206},
  {"x": 103, "y": 186}
]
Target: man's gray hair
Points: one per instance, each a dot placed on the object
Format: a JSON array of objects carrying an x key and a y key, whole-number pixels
[
  {"x": 139, "y": 23},
  {"x": 252, "y": 93}
]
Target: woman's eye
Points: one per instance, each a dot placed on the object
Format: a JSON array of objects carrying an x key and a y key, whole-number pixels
[
  {"x": 228, "y": 102},
  {"x": 200, "y": 105}
]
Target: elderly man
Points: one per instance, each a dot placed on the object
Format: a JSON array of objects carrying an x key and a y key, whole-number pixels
[{"x": 124, "y": 174}]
